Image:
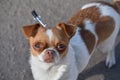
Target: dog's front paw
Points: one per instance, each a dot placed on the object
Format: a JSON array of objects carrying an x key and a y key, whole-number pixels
[{"x": 62, "y": 69}]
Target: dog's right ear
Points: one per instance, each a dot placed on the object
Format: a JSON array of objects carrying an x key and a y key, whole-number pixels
[{"x": 30, "y": 30}]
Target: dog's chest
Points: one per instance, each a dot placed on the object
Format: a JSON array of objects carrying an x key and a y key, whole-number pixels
[{"x": 41, "y": 74}]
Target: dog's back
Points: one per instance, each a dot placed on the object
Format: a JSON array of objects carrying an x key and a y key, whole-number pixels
[{"x": 98, "y": 24}]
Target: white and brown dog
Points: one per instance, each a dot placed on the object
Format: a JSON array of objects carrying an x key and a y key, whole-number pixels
[{"x": 62, "y": 52}]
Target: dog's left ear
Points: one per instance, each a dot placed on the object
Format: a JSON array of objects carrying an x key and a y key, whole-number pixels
[
  {"x": 30, "y": 30},
  {"x": 69, "y": 29}
]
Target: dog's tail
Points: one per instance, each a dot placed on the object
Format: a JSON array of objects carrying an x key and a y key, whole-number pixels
[{"x": 117, "y": 5}]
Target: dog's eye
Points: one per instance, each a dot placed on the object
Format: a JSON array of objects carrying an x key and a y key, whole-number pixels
[
  {"x": 61, "y": 47},
  {"x": 37, "y": 46}
]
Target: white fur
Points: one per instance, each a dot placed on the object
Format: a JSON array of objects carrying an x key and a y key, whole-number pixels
[
  {"x": 81, "y": 51},
  {"x": 50, "y": 34},
  {"x": 78, "y": 55},
  {"x": 90, "y": 5}
]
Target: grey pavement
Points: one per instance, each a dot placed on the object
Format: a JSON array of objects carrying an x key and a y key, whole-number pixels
[{"x": 14, "y": 48}]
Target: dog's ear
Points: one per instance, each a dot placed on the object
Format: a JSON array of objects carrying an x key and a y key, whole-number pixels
[
  {"x": 69, "y": 29},
  {"x": 30, "y": 30}
]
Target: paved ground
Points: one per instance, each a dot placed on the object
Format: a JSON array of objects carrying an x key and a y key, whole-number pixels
[{"x": 14, "y": 48}]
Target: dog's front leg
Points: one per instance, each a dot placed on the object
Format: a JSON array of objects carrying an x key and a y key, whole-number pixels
[{"x": 60, "y": 72}]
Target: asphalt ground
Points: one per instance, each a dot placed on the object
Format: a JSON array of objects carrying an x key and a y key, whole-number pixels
[{"x": 14, "y": 48}]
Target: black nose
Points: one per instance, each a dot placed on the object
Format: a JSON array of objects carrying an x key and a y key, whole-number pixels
[{"x": 50, "y": 52}]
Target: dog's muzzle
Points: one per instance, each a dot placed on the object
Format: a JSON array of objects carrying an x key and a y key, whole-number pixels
[{"x": 49, "y": 56}]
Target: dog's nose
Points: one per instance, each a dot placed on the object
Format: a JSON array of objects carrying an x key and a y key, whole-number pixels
[
  {"x": 49, "y": 56},
  {"x": 49, "y": 52}
]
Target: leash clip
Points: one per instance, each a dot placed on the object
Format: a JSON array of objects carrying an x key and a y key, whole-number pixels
[{"x": 38, "y": 18}]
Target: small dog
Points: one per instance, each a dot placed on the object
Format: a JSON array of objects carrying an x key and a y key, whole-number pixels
[{"x": 62, "y": 52}]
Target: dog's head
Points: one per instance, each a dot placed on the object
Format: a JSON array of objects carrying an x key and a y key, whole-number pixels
[{"x": 49, "y": 45}]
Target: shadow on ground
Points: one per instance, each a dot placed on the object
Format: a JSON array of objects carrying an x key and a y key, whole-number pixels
[{"x": 101, "y": 72}]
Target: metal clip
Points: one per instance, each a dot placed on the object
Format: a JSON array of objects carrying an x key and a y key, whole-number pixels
[{"x": 37, "y": 18}]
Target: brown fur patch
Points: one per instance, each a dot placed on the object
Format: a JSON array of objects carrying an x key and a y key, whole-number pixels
[
  {"x": 104, "y": 28},
  {"x": 41, "y": 38},
  {"x": 89, "y": 39},
  {"x": 30, "y": 30},
  {"x": 88, "y": 13}
]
